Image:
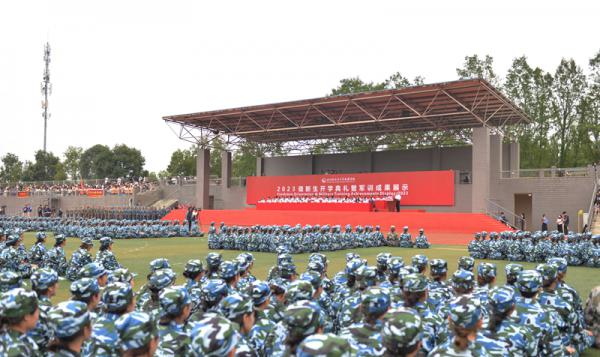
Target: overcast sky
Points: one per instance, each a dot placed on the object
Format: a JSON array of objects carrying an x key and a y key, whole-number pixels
[{"x": 119, "y": 66}]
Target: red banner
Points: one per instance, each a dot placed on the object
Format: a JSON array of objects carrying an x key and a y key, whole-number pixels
[
  {"x": 418, "y": 188},
  {"x": 92, "y": 192},
  {"x": 23, "y": 194}
]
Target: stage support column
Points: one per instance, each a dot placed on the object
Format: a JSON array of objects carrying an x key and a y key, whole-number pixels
[
  {"x": 481, "y": 169},
  {"x": 259, "y": 166},
  {"x": 226, "y": 169},
  {"x": 495, "y": 157},
  {"x": 202, "y": 176},
  {"x": 515, "y": 159}
]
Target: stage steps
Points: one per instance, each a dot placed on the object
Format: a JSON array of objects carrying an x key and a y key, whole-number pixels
[
  {"x": 165, "y": 203},
  {"x": 176, "y": 214}
]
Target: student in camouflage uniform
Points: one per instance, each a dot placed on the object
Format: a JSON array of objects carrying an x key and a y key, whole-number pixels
[
  {"x": 392, "y": 237},
  {"x": 401, "y": 333},
  {"x": 57, "y": 260},
  {"x": 10, "y": 280},
  {"x": 194, "y": 273},
  {"x": 117, "y": 299},
  {"x": 421, "y": 240},
  {"x": 214, "y": 336},
  {"x": 175, "y": 307},
  {"x": 517, "y": 339},
  {"x": 138, "y": 334},
  {"x": 44, "y": 282},
  {"x": 38, "y": 254},
  {"x": 20, "y": 312},
  {"x": 72, "y": 322},
  {"x": 592, "y": 314},
  {"x": 87, "y": 291},
  {"x": 80, "y": 258},
  {"x": 9, "y": 257},
  {"x": 261, "y": 335},
  {"x": 365, "y": 336},
  {"x": 105, "y": 256},
  {"x": 465, "y": 322},
  {"x": 302, "y": 319},
  {"x": 325, "y": 345},
  {"x": 239, "y": 309},
  {"x": 405, "y": 238}
]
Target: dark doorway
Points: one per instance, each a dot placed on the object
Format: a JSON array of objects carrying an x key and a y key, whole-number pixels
[{"x": 523, "y": 204}]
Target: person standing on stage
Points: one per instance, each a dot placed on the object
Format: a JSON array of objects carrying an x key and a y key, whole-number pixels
[{"x": 397, "y": 200}]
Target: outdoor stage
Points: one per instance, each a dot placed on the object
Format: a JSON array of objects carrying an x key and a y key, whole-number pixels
[{"x": 440, "y": 228}]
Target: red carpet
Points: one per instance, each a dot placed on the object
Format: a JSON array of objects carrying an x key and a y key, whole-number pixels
[{"x": 441, "y": 228}]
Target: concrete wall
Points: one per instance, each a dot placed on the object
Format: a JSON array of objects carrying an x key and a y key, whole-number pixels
[
  {"x": 550, "y": 195},
  {"x": 14, "y": 205}
]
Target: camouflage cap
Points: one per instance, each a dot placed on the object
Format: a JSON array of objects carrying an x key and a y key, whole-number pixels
[
  {"x": 10, "y": 280},
  {"x": 299, "y": 290},
  {"x": 560, "y": 263},
  {"x": 228, "y": 269},
  {"x": 529, "y": 281},
  {"x": 401, "y": 329},
  {"x": 303, "y": 317},
  {"x": 214, "y": 290},
  {"x": 366, "y": 276},
  {"x": 325, "y": 345},
  {"x": 259, "y": 291},
  {"x": 486, "y": 270},
  {"x": 17, "y": 303},
  {"x": 419, "y": 261},
  {"x": 501, "y": 299},
  {"x": 438, "y": 266},
  {"x": 319, "y": 257},
  {"x": 117, "y": 296},
  {"x": 466, "y": 263},
  {"x": 43, "y": 278},
  {"x": 512, "y": 270},
  {"x": 40, "y": 235},
  {"x": 383, "y": 258},
  {"x": 92, "y": 270},
  {"x": 213, "y": 259},
  {"x": 173, "y": 300},
  {"x": 351, "y": 256},
  {"x": 136, "y": 329},
  {"x": 87, "y": 241},
  {"x": 547, "y": 271},
  {"x": 465, "y": 312},
  {"x": 284, "y": 258},
  {"x": 463, "y": 279},
  {"x": 105, "y": 241},
  {"x": 395, "y": 264},
  {"x": 69, "y": 317},
  {"x": 375, "y": 301},
  {"x": 242, "y": 264},
  {"x": 281, "y": 249},
  {"x": 161, "y": 279},
  {"x": 316, "y": 266},
  {"x": 278, "y": 284},
  {"x": 12, "y": 239},
  {"x": 415, "y": 283},
  {"x": 312, "y": 277},
  {"x": 121, "y": 275},
  {"x": 84, "y": 288},
  {"x": 235, "y": 305},
  {"x": 214, "y": 336},
  {"x": 287, "y": 269},
  {"x": 159, "y": 263},
  {"x": 194, "y": 266}
]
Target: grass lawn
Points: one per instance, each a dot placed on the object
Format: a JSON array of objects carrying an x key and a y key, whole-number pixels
[{"x": 136, "y": 254}]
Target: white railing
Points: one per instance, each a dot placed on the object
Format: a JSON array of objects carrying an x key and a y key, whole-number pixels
[
  {"x": 548, "y": 172},
  {"x": 510, "y": 218}
]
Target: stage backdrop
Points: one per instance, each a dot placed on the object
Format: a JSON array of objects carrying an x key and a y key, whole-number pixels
[{"x": 417, "y": 188}]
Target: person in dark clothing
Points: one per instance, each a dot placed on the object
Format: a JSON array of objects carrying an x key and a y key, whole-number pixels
[
  {"x": 189, "y": 217},
  {"x": 565, "y": 223}
]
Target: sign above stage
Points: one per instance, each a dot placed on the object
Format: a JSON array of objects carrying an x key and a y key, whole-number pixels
[{"x": 417, "y": 188}]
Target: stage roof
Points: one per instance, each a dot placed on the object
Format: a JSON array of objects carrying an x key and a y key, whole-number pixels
[{"x": 432, "y": 107}]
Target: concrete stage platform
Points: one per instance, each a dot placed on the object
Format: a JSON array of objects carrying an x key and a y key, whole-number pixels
[{"x": 441, "y": 228}]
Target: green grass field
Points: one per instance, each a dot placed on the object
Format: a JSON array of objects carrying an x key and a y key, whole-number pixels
[{"x": 136, "y": 254}]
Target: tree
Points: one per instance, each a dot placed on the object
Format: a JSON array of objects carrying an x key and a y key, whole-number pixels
[
  {"x": 72, "y": 161},
  {"x": 531, "y": 89},
  {"x": 590, "y": 110},
  {"x": 568, "y": 89},
  {"x": 474, "y": 67},
  {"x": 127, "y": 161},
  {"x": 45, "y": 168},
  {"x": 97, "y": 162},
  {"x": 12, "y": 168},
  {"x": 183, "y": 162}
]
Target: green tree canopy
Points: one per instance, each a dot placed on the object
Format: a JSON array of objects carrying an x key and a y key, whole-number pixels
[
  {"x": 46, "y": 167},
  {"x": 72, "y": 161},
  {"x": 12, "y": 168}
]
